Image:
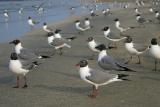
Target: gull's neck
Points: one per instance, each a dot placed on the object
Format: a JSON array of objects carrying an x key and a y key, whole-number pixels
[
  {"x": 18, "y": 48},
  {"x": 102, "y": 54}
]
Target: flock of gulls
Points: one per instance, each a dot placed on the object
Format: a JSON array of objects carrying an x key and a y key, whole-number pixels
[{"x": 22, "y": 60}]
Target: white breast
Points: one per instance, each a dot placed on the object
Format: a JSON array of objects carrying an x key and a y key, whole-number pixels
[
  {"x": 15, "y": 67},
  {"x": 6, "y": 15},
  {"x": 84, "y": 72},
  {"x": 92, "y": 46},
  {"x": 30, "y": 22},
  {"x": 87, "y": 23},
  {"x": 57, "y": 35},
  {"x": 106, "y": 33},
  {"x": 50, "y": 39},
  {"x": 117, "y": 24},
  {"x": 129, "y": 47},
  {"x": 155, "y": 51}
]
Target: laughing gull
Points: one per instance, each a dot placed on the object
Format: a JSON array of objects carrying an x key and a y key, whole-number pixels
[
  {"x": 151, "y": 10},
  {"x": 154, "y": 51},
  {"x": 20, "y": 69},
  {"x": 119, "y": 27},
  {"x": 106, "y": 12},
  {"x": 24, "y": 53},
  {"x": 59, "y": 36},
  {"x": 157, "y": 15},
  {"x": 111, "y": 37},
  {"x": 57, "y": 43},
  {"x": 92, "y": 44},
  {"x": 92, "y": 13},
  {"x": 141, "y": 20},
  {"x": 136, "y": 10},
  {"x": 134, "y": 49},
  {"x": 31, "y": 22},
  {"x": 46, "y": 28},
  {"x": 87, "y": 23},
  {"x": 6, "y": 15},
  {"x": 97, "y": 78},
  {"x": 79, "y": 27},
  {"x": 108, "y": 62},
  {"x": 21, "y": 11}
]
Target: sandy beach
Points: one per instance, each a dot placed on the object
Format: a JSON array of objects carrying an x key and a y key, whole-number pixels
[{"x": 56, "y": 82}]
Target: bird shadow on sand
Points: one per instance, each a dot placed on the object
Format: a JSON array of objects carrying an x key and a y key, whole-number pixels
[
  {"x": 67, "y": 74},
  {"x": 6, "y": 80},
  {"x": 80, "y": 56},
  {"x": 68, "y": 89}
]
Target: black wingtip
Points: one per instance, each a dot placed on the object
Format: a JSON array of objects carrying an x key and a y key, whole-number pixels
[
  {"x": 120, "y": 76},
  {"x": 44, "y": 57},
  {"x": 72, "y": 38}
]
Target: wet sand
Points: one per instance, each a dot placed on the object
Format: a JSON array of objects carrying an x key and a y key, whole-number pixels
[{"x": 56, "y": 82}]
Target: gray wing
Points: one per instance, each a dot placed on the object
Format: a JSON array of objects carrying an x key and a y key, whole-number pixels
[
  {"x": 108, "y": 63},
  {"x": 140, "y": 47},
  {"x": 113, "y": 36},
  {"x": 27, "y": 54},
  {"x": 57, "y": 42},
  {"x": 100, "y": 77},
  {"x": 141, "y": 20},
  {"x": 28, "y": 65}
]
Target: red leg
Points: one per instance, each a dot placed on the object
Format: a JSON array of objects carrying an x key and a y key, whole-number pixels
[
  {"x": 94, "y": 92},
  {"x": 25, "y": 82},
  {"x": 17, "y": 83}
]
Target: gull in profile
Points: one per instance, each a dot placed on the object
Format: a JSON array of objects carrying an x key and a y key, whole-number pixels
[{"x": 97, "y": 78}]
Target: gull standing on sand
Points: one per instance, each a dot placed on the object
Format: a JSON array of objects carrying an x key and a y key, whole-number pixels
[
  {"x": 141, "y": 20},
  {"x": 20, "y": 69},
  {"x": 46, "y": 28},
  {"x": 92, "y": 13},
  {"x": 97, "y": 78},
  {"x": 24, "y": 53},
  {"x": 59, "y": 36},
  {"x": 108, "y": 62},
  {"x": 79, "y": 27},
  {"x": 106, "y": 12},
  {"x": 157, "y": 15},
  {"x": 137, "y": 11},
  {"x": 57, "y": 43},
  {"x": 92, "y": 44},
  {"x": 151, "y": 10},
  {"x": 87, "y": 23},
  {"x": 154, "y": 51},
  {"x": 119, "y": 27},
  {"x": 111, "y": 37},
  {"x": 134, "y": 49}
]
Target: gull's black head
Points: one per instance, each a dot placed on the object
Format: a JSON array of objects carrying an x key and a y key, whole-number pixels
[
  {"x": 90, "y": 39},
  {"x": 15, "y": 42},
  {"x": 105, "y": 28},
  {"x": 82, "y": 63},
  {"x": 29, "y": 17},
  {"x": 116, "y": 19},
  {"x": 154, "y": 41},
  {"x": 128, "y": 39},
  {"x": 14, "y": 56},
  {"x": 138, "y": 15},
  {"x": 77, "y": 21},
  {"x": 156, "y": 11},
  {"x": 57, "y": 31},
  {"x": 101, "y": 47},
  {"x": 86, "y": 18},
  {"x": 50, "y": 34},
  {"x": 44, "y": 23}
]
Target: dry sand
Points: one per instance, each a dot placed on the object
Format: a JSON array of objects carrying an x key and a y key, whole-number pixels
[{"x": 56, "y": 83}]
